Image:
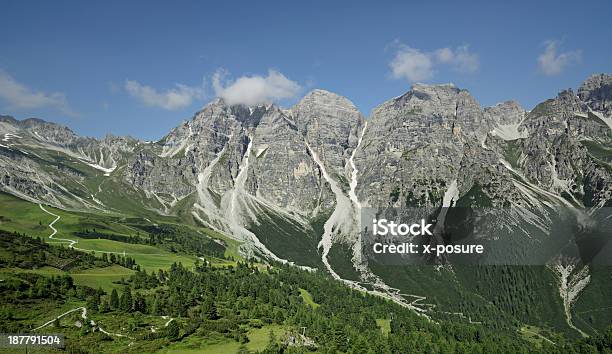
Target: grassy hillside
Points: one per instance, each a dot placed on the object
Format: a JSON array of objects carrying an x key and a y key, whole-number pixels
[{"x": 181, "y": 244}]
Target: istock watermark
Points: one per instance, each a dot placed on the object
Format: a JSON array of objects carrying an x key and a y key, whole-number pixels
[
  {"x": 384, "y": 227},
  {"x": 485, "y": 236}
]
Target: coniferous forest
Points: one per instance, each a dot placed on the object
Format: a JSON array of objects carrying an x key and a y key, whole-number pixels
[{"x": 317, "y": 313}]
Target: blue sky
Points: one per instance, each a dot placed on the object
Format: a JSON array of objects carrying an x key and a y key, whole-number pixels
[{"x": 140, "y": 68}]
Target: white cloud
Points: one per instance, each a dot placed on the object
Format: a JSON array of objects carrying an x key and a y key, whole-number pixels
[
  {"x": 416, "y": 65},
  {"x": 411, "y": 64},
  {"x": 552, "y": 63},
  {"x": 464, "y": 61},
  {"x": 19, "y": 96},
  {"x": 175, "y": 98},
  {"x": 252, "y": 90},
  {"x": 444, "y": 55}
]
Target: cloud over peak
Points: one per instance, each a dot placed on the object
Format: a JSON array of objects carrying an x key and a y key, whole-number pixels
[
  {"x": 18, "y": 96},
  {"x": 415, "y": 65},
  {"x": 411, "y": 64},
  {"x": 461, "y": 58},
  {"x": 552, "y": 63},
  {"x": 256, "y": 89},
  {"x": 178, "y": 97}
]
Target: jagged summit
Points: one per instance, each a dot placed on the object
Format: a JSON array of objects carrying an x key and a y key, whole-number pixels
[
  {"x": 441, "y": 115},
  {"x": 445, "y": 101},
  {"x": 29, "y": 122},
  {"x": 326, "y": 102},
  {"x": 321, "y": 94},
  {"x": 321, "y": 108},
  {"x": 6, "y": 118},
  {"x": 508, "y": 103},
  {"x": 505, "y": 113},
  {"x": 420, "y": 85},
  {"x": 221, "y": 102},
  {"x": 596, "y": 81},
  {"x": 596, "y": 92}
]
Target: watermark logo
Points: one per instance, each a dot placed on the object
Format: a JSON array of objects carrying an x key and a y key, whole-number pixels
[
  {"x": 384, "y": 227},
  {"x": 485, "y": 236}
]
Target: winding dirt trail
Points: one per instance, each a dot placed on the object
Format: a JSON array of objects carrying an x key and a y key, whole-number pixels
[
  {"x": 84, "y": 317},
  {"x": 72, "y": 243}
]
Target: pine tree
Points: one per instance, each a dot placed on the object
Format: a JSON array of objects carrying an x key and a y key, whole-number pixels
[
  {"x": 139, "y": 304},
  {"x": 156, "y": 309},
  {"x": 209, "y": 310},
  {"x": 104, "y": 306},
  {"x": 114, "y": 300},
  {"x": 92, "y": 303},
  {"x": 125, "y": 301}
]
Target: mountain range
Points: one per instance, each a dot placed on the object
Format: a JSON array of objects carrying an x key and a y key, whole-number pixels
[{"x": 290, "y": 184}]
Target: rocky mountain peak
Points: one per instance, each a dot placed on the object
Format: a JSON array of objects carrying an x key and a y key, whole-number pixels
[
  {"x": 440, "y": 100},
  {"x": 40, "y": 129},
  {"x": 325, "y": 102},
  {"x": 324, "y": 112},
  {"x": 505, "y": 113},
  {"x": 7, "y": 119},
  {"x": 426, "y": 91},
  {"x": 596, "y": 92},
  {"x": 595, "y": 81}
]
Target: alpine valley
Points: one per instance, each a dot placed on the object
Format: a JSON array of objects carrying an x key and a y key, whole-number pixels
[{"x": 276, "y": 195}]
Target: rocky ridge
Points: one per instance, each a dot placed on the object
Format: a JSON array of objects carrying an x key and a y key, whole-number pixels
[{"x": 229, "y": 165}]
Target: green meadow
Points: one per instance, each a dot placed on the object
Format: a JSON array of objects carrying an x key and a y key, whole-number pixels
[{"x": 17, "y": 215}]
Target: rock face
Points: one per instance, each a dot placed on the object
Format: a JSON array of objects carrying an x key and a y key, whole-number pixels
[
  {"x": 282, "y": 173},
  {"x": 596, "y": 92},
  {"x": 331, "y": 125},
  {"x": 559, "y": 153},
  {"x": 505, "y": 113},
  {"x": 231, "y": 164},
  {"x": 415, "y": 145}
]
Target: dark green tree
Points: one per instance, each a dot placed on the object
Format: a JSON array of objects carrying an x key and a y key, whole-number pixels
[
  {"x": 104, "y": 306},
  {"x": 209, "y": 309},
  {"x": 92, "y": 303},
  {"x": 125, "y": 302},
  {"x": 140, "y": 304},
  {"x": 114, "y": 300}
]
